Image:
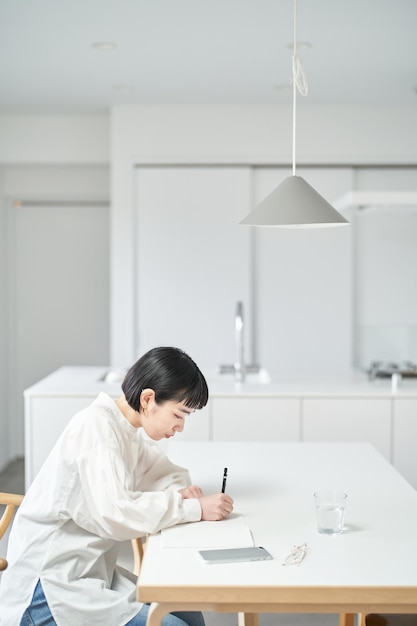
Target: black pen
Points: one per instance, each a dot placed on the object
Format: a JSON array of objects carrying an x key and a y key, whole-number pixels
[{"x": 224, "y": 480}]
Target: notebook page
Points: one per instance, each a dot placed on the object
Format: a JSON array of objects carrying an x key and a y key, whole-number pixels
[{"x": 229, "y": 533}]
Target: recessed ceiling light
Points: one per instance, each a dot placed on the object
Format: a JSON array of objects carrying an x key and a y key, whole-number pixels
[{"x": 104, "y": 45}]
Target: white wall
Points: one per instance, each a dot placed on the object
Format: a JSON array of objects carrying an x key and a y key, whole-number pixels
[
  {"x": 4, "y": 417},
  {"x": 339, "y": 136},
  {"x": 54, "y": 139},
  {"x": 49, "y": 159},
  {"x": 253, "y": 135}
]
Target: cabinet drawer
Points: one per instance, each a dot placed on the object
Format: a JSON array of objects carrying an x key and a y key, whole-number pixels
[
  {"x": 45, "y": 419},
  {"x": 348, "y": 419},
  {"x": 256, "y": 419},
  {"x": 404, "y": 438}
]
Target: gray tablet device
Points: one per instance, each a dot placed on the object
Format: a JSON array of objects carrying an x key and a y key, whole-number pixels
[{"x": 234, "y": 555}]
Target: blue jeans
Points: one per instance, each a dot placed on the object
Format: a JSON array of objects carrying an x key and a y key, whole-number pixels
[{"x": 38, "y": 614}]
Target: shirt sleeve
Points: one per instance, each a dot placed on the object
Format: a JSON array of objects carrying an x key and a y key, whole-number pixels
[
  {"x": 123, "y": 498},
  {"x": 156, "y": 472}
]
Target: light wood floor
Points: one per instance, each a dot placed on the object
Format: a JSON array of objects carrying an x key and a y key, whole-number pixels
[{"x": 12, "y": 480}]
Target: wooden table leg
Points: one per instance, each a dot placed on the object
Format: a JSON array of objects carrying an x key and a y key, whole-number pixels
[
  {"x": 156, "y": 614},
  {"x": 248, "y": 619},
  {"x": 347, "y": 619}
]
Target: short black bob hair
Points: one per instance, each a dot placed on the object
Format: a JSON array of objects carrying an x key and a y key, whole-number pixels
[{"x": 171, "y": 373}]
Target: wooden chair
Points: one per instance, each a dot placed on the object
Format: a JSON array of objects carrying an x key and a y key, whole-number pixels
[
  {"x": 11, "y": 501},
  {"x": 138, "y": 547},
  {"x": 350, "y": 619}
]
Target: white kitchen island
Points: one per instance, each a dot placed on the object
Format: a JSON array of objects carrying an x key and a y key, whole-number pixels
[{"x": 347, "y": 408}]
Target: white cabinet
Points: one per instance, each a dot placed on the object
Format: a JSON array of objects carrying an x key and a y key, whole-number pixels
[
  {"x": 348, "y": 419},
  {"x": 385, "y": 284},
  {"x": 303, "y": 283},
  {"x": 47, "y": 416},
  {"x": 193, "y": 259},
  {"x": 256, "y": 419},
  {"x": 45, "y": 419},
  {"x": 405, "y": 438},
  {"x": 277, "y": 413}
]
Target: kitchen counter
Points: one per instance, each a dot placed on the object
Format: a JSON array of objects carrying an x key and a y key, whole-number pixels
[
  {"x": 89, "y": 381},
  {"x": 348, "y": 408}
]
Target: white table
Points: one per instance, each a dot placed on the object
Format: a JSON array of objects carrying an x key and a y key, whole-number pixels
[{"x": 372, "y": 567}]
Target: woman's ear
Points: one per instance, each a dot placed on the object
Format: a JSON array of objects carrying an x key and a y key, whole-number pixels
[{"x": 147, "y": 396}]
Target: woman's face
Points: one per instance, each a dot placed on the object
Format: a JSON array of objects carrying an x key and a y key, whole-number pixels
[{"x": 162, "y": 421}]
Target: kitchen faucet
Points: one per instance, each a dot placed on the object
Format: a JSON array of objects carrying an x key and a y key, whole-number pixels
[
  {"x": 239, "y": 368},
  {"x": 239, "y": 345}
]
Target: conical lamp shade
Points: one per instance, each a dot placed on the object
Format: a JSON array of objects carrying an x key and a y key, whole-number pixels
[{"x": 294, "y": 203}]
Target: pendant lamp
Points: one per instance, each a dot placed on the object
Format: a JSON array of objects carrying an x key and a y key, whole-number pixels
[{"x": 294, "y": 203}]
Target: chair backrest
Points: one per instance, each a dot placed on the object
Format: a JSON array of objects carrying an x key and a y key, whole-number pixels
[
  {"x": 137, "y": 547},
  {"x": 11, "y": 501}
]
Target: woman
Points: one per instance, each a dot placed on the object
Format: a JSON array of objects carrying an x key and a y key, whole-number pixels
[{"x": 102, "y": 484}]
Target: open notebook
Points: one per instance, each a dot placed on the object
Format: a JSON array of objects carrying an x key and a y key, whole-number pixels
[{"x": 229, "y": 533}]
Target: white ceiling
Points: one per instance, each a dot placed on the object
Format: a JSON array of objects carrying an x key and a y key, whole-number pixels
[{"x": 203, "y": 52}]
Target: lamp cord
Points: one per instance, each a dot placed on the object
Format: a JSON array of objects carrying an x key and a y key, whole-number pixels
[{"x": 299, "y": 82}]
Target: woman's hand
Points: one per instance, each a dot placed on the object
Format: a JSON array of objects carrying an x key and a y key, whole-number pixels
[
  {"x": 191, "y": 492},
  {"x": 216, "y": 507}
]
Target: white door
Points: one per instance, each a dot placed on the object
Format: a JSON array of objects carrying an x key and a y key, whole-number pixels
[{"x": 59, "y": 296}]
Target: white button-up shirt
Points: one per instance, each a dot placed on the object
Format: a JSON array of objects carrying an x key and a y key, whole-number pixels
[{"x": 102, "y": 484}]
